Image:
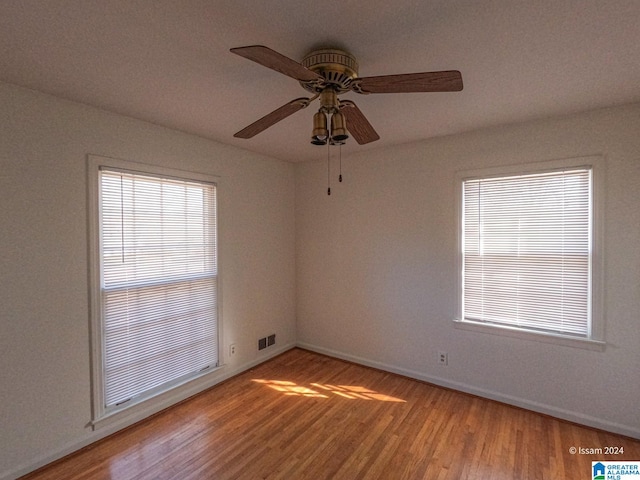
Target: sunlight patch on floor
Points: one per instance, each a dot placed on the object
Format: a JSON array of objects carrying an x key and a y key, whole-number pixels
[
  {"x": 290, "y": 388},
  {"x": 320, "y": 390}
]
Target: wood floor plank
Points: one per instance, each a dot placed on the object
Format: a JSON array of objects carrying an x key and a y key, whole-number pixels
[{"x": 308, "y": 416}]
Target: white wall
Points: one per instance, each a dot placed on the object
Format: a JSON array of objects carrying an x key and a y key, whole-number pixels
[
  {"x": 376, "y": 269},
  {"x": 44, "y": 339},
  {"x": 373, "y": 274}
]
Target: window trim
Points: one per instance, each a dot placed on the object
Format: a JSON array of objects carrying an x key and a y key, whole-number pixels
[
  {"x": 161, "y": 397},
  {"x": 596, "y": 340}
]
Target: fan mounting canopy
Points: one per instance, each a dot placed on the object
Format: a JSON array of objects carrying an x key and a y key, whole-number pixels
[{"x": 337, "y": 67}]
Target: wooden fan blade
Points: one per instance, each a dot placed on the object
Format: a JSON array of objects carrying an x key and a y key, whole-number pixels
[
  {"x": 357, "y": 124},
  {"x": 278, "y": 62},
  {"x": 446, "y": 81},
  {"x": 272, "y": 118}
]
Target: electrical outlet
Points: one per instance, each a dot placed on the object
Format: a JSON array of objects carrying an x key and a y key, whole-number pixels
[
  {"x": 232, "y": 349},
  {"x": 443, "y": 358}
]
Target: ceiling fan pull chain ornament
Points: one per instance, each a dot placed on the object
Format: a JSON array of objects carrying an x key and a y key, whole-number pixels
[{"x": 340, "y": 157}]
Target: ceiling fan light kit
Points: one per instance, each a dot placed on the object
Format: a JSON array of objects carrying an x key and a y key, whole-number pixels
[
  {"x": 320, "y": 133},
  {"x": 338, "y": 128}
]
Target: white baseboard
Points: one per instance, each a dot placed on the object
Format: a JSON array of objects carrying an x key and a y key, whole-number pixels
[
  {"x": 575, "y": 417},
  {"x": 178, "y": 395}
]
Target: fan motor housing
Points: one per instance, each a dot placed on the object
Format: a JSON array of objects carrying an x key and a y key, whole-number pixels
[{"x": 337, "y": 67}]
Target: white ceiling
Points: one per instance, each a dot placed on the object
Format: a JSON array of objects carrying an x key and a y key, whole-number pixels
[{"x": 168, "y": 61}]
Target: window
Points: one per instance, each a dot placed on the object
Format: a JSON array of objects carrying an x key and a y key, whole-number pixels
[
  {"x": 527, "y": 247},
  {"x": 156, "y": 308}
]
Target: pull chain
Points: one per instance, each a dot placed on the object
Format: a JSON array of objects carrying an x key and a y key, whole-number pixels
[
  {"x": 328, "y": 171},
  {"x": 340, "y": 156}
]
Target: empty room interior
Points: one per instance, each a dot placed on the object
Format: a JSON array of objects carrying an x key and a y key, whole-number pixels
[{"x": 319, "y": 239}]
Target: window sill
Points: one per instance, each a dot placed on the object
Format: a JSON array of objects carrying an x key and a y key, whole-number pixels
[
  {"x": 545, "y": 337},
  {"x": 147, "y": 406}
]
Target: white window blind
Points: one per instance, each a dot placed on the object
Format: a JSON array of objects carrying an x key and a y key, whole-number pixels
[
  {"x": 158, "y": 282},
  {"x": 527, "y": 251}
]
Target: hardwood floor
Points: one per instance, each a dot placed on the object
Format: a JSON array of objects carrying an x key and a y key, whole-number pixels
[{"x": 308, "y": 416}]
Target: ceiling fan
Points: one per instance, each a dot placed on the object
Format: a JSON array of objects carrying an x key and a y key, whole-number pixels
[{"x": 328, "y": 73}]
